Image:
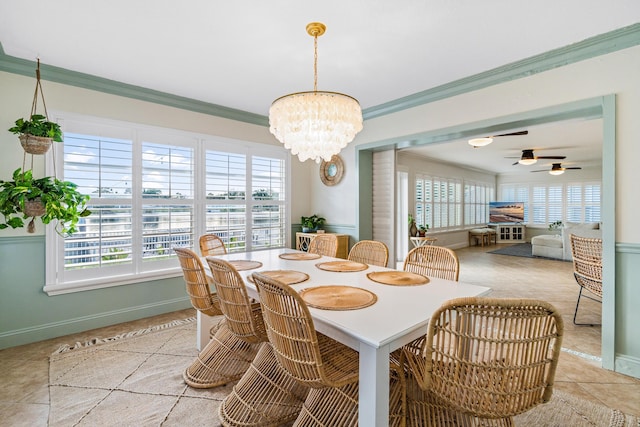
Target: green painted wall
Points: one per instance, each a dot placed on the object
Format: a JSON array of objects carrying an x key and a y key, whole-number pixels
[{"x": 27, "y": 314}]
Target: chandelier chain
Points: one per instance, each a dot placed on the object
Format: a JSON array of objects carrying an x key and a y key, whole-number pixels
[{"x": 315, "y": 62}]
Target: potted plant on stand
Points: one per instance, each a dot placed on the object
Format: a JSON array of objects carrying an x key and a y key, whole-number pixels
[
  {"x": 48, "y": 198},
  {"x": 422, "y": 230},
  {"x": 311, "y": 223}
]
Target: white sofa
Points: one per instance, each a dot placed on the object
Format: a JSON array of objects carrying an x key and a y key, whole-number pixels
[{"x": 559, "y": 246}]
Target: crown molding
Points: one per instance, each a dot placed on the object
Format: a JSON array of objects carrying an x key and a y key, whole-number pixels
[
  {"x": 602, "y": 44},
  {"x": 25, "y": 67}
]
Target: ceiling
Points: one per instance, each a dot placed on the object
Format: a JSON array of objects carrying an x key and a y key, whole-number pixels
[
  {"x": 579, "y": 140},
  {"x": 244, "y": 54}
]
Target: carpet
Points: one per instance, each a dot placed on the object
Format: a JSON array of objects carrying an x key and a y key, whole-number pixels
[
  {"x": 521, "y": 250},
  {"x": 518, "y": 249},
  {"x": 135, "y": 379}
]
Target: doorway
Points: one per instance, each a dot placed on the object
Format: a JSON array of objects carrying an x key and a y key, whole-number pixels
[{"x": 593, "y": 108}]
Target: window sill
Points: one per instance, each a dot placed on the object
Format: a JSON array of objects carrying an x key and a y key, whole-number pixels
[{"x": 108, "y": 282}]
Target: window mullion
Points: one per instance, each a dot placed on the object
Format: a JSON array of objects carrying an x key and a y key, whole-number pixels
[
  {"x": 200, "y": 190},
  {"x": 249, "y": 202},
  {"x": 136, "y": 203}
]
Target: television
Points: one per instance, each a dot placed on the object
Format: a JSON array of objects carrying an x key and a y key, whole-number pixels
[{"x": 500, "y": 212}]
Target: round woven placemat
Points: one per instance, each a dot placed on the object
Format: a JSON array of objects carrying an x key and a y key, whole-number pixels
[
  {"x": 245, "y": 264},
  {"x": 338, "y": 297},
  {"x": 299, "y": 256},
  {"x": 341, "y": 266},
  {"x": 289, "y": 277},
  {"x": 398, "y": 278}
]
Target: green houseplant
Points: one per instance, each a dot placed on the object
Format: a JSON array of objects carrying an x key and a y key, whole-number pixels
[
  {"x": 37, "y": 133},
  {"x": 311, "y": 222},
  {"x": 422, "y": 230},
  {"x": 48, "y": 198}
]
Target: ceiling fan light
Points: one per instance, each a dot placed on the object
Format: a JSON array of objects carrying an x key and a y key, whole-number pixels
[
  {"x": 480, "y": 142},
  {"x": 527, "y": 162},
  {"x": 556, "y": 171}
]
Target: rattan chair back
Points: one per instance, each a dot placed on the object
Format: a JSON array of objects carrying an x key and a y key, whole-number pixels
[
  {"x": 324, "y": 244},
  {"x": 211, "y": 245},
  {"x": 313, "y": 359},
  {"x": 587, "y": 263},
  {"x": 370, "y": 252},
  {"x": 433, "y": 261},
  {"x": 244, "y": 319},
  {"x": 492, "y": 358},
  {"x": 202, "y": 299}
]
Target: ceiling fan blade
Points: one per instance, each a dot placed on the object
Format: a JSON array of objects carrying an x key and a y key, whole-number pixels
[
  {"x": 516, "y": 163},
  {"x": 551, "y": 157},
  {"x": 573, "y": 168},
  {"x": 522, "y": 132},
  {"x": 545, "y": 170}
]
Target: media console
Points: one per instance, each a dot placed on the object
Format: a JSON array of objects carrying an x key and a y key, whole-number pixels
[{"x": 509, "y": 232}]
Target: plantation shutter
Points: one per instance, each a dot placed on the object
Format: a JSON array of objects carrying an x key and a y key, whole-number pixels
[{"x": 384, "y": 199}]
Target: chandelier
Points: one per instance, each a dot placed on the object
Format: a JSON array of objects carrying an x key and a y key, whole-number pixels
[{"x": 315, "y": 125}]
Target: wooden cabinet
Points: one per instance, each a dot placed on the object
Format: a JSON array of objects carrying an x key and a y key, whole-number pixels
[
  {"x": 509, "y": 232},
  {"x": 303, "y": 239}
]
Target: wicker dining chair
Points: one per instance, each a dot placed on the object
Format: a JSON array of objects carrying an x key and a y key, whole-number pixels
[
  {"x": 324, "y": 244},
  {"x": 328, "y": 367},
  {"x": 370, "y": 252},
  {"x": 225, "y": 358},
  {"x": 266, "y": 395},
  {"x": 587, "y": 269},
  {"x": 433, "y": 261},
  {"x": 211, "y": 244},
  {"x": 482, "y": 362}
]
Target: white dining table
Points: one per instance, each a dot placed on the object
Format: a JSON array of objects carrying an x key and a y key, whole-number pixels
[{"x": 400, "y": 315}]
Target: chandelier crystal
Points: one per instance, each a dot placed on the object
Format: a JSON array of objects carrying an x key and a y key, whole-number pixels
[{"x": 315, "y": 125}]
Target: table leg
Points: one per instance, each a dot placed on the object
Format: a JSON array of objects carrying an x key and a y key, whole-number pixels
[
  {"x": 373, "y": 398},
  {"x": 202, "y": 329}
]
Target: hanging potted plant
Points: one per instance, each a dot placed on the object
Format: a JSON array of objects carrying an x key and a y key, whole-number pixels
[
  {"x": 47, "y": 198},
  {"x": 37, "y": 133}
]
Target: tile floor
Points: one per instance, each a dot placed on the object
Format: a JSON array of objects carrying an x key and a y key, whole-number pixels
[{"x": 24, "y": 370}]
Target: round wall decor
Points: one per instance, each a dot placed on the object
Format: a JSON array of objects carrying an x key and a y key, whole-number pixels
[{"x": 331, "y": 172}]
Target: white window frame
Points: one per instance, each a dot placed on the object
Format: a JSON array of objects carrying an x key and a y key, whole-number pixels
[
  {"x": 526, "y": 190},
  {"x": 450, "y": 205},
  {"x": 476, "y": 207},
  {"x": 57, "y": 282}
]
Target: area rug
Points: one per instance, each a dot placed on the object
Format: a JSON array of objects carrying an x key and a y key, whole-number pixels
[
  {"x": 135, "y": 379},
  {"x": 521, "y": 250}
]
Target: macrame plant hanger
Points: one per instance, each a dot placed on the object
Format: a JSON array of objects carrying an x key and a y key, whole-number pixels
[
  {"x": 34, "y": 108},
  {"x": 36, "y": 208}
]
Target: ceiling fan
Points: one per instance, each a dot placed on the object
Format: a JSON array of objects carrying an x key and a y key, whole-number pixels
[
  {"x": 528, "y": 158},
  {"x": 557, "y": 169},
  {"x": 481, "y": 142}
]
